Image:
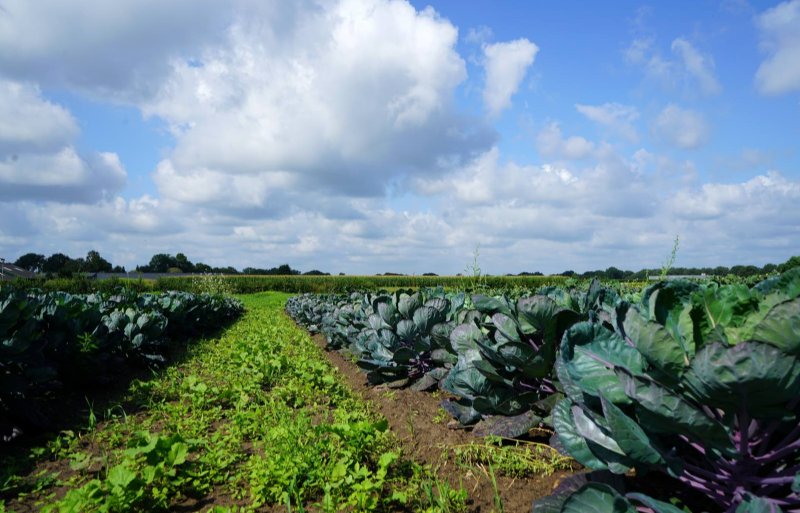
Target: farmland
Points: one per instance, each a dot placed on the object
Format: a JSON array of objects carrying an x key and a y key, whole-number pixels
[{"x": 446, "y": 399}]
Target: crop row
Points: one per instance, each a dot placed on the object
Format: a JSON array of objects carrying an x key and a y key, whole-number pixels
[
  {"x": 54, "y": 342},
  {"x": 299, "y": 284},
  {"x": 698, "y": 381}
]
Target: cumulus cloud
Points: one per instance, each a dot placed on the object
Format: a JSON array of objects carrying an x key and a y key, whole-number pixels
[
  {"x": 506, "y": 64},
  {"x": 614, "y": 116},
  {"x": 682, "y": 128},
  {"x": 362, "y": 94},
  {"x": 30, "y": 123},
  {"x": 37, "y": 159},
  {"x": 779, "y": 28},
  {"x": 98, "y": 47},
  {"x": 550, "y": 143}
]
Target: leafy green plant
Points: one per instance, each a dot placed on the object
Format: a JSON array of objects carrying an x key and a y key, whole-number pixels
[
  {"x": 506, "y": 356},
  {"x": 699, "y": 381}
]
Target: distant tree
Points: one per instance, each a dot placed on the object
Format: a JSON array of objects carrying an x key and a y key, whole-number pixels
[
  {"x": 224, "y": 270},
  {"x": 429, "y": 274},
  {"x": 31, "y": 261},
  {"x": 745, "y": 270},
  {"x": 183, "y": 263},
  {"x": 789, "y": 264},
  {"x": 118, "y": 269},
  {"x": 55, "y": 263},
  {"x": 73, "y": 266},
  {"x": 200, "y": 267},
  {"x": 160, "y": 263},
  {"x": 568, "y": 273},
  {"x": 613, "y": 273},
  {"x": 315, "y": 272},
  {"x": 341, "y": 274},
  {"x": 97, "y": 264},
  {"x": 526, "y": 273},
  {"x": 285, "y": 270},
  {"x": 769, "y": 268}
]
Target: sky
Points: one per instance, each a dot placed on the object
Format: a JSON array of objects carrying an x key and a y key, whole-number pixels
[{"x": 371, "y": 136}]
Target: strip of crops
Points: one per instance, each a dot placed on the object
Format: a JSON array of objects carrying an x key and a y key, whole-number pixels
[
  {"x": 51, "y": 343},
  {"x": 308, "y": 284},
  {"x": 698, "y": 382},
  {"x": 253, "y": 420}
]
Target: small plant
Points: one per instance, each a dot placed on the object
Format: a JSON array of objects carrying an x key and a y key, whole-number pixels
[
  {"x": 440, "y": 497},
  {"x": 670, "y": 261},
  {"x": 441, "y": 416},
  {"x": 473, "y": 270},
  {"x": 212, "y": 284},
  {"x": 515, "y": 459}
]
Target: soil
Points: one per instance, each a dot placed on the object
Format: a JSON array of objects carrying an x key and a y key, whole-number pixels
[{"x": 412, "y": 418}]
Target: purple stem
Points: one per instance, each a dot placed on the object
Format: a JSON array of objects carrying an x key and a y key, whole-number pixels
[
  {"x": 774, "y": 425},
  {"x": 722, "y": 476},
  {"x": 780, "y": 453},
  {"x": 694, "y": 445},
  {"x": 744, "y": 434}
]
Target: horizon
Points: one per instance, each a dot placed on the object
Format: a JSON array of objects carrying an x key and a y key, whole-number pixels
[{"x": 373, "y": 136}]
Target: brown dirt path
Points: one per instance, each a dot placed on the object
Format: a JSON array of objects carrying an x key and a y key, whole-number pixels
[{"x": 412, "y": 416}]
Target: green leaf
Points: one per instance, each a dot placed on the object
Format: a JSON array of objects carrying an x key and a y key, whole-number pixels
[
  {"x": 574, "y": 443},
  {"x": 674, "y": 413},
  {"x": 597, "y": 498},
  {"x": 492, "y": 305},
  {"x": 717, "y": 309},
  {"x": 656, "y": 505},
  {"x": 507, "y": 327},
  {"x": 408, "y": 304},
  {"x": 756, "y": 377},
  {"x": 466, "y": 336},
  {"x": 753, "y": 504},
  {"x": 121, "y": 476},
  {"x": 592, "y": 431},
  {"x": 425, "y": 317},
  {"x": 781, "y": 327},
  {"x": 656, "y": 344},
  {"x": 591, "y": 352},
  {"x": 632, "y": 439}
]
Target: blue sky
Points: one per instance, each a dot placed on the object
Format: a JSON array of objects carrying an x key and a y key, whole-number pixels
[{"x": 367, "y": 136}]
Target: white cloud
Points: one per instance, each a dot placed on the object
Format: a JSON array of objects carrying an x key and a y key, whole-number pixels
[
  {"x": 688, "y": 68},
  {"x": 506, "y": 64},
  {"x": 614, "y": 116},
  {"x": 37, "y": 158},
  {"x": 117, "y": 50},
  {"x": 680, "y": 127},
  {"x": 780, "y": 38},
  {"x": 699, "y": 66},
  {"x": 30, "y": 123},
  {"x": 362, "y": 95},
  {"x": 550, "y": 143}
]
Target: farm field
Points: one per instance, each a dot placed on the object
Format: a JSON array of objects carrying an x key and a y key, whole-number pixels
[
  {"x": 257, "y": 419},
  {"x": 679, "y": 397}
]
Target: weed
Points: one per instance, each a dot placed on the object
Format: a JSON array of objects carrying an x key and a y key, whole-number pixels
[
  {"x": 670, "y": 261},
  {"x": 440, "y": 417},
  {"x": 516, "y": 459}
]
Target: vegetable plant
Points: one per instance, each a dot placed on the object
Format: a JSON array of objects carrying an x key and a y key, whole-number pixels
[{"x": 701, "y": 382}]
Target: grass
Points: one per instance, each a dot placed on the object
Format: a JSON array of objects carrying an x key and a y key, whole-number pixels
[{"x": 254, "y": 417}]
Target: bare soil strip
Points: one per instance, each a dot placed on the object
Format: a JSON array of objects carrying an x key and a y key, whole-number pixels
[{"x": 416, "y": 419}]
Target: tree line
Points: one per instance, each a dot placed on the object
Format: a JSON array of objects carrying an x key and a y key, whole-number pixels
[
  {"x": 59, "y": 264},
  {"x": 62, "y": 265}
]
